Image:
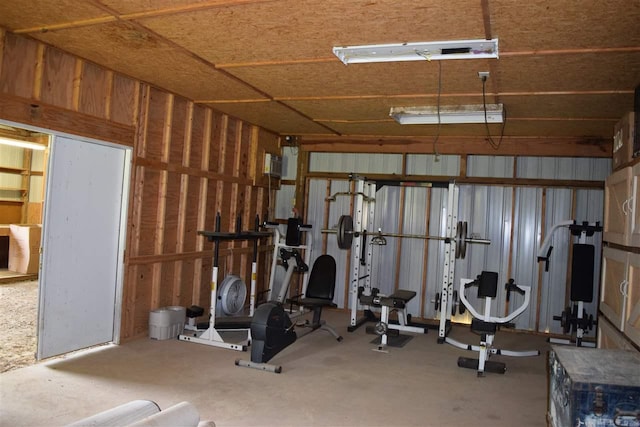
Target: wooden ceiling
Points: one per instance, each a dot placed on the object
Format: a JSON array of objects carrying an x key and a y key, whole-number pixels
[{"x": 567, "y": 69}]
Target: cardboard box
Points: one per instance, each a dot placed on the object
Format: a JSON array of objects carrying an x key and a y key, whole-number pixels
[
  {"x": 593, "y": 387},
  {"x": 24, "y": 248},
  {"x": 623, "y": 140}
]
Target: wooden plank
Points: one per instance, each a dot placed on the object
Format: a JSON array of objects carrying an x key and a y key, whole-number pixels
[
  {"x": 216, "y": 143},
  {"x": 77, "y": 80},
  {"x": 24, "y": 110},
  {"x": 109, "y": 96},
  {"x": 128, "y": 302},
  {"x": 58, "y": 75},
  {"x": 228, "y": 148},
  {"x": 2, "y": 41},
  {"x": 511, "y": 146},
  {"x": 19, "y": 59},
  {"x": 149, "y": 211},
  {"x": 166, "y": 291},
  {"x": 181, "y": 286},
  {"x": 171, "y": 213},
  {"x": 510, "y": 182},
  {"x": 10, "y": 212},
  {"x": 187, "y": 269},
  {"x": 244, "y": 149},
  {"x": 124, "y": 99},
  {"x": 156, "y": 119},
  {"x": 179, "y": 129},
  {"x": 94, "y": 90},
  {"x": 191, "y": 202},
  {"x": 142, "y": 302},
  {"x": 27, "y": 157},
  {"x": 200, "y": 136}
]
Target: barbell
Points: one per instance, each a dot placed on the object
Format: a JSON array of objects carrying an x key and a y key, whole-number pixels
[{"x": 345, "y": 235}]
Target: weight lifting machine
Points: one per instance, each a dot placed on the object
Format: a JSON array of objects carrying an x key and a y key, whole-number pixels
[
  {"x": 211, "y": 335},
  {"x": 575, "y": 317},
  {"x": 486, "y": 325},
  {"x": 352, "y": 234}
]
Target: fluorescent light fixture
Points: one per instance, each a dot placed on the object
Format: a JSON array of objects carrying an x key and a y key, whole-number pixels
[
  {"x": 22, "y": 144},
  {"x": 427, "y": 51},
  {"x": 449, "y": 114}
]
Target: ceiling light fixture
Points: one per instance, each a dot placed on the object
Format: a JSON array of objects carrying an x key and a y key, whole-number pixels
[
  {"x": 429, "y": 51},
  {"x": 22, "y": 144},
  {"x": 449, "y": 114}
]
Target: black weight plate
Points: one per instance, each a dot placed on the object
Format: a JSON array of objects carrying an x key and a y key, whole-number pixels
[
  {"x": 454, "y": 303},
  {"x": 566, "y": 320},
  {"x": 458, "y": 233},
  {"x": 462, "y": 242},
  {"x": 345, "y": 232},
  {"x": 437, "y": 301}
]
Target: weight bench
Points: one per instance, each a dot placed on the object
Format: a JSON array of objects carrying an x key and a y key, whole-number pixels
[{"x": 397, "y": 302}]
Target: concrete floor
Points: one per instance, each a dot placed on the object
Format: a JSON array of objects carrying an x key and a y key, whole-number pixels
[{"x": 324, "y": 383}]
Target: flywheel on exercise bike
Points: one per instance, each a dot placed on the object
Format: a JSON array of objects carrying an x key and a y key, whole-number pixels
[{"x": 231, "y": 296}]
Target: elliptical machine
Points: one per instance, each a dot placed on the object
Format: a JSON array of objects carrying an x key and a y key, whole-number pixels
[{"x": 272, "y": 329}]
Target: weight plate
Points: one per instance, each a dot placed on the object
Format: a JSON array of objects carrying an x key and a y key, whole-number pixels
[
  {"x": 458, "y": 233},
  {"x": 461, "y": 308},
  {"x": 566, "y": 320},
  {"x": 454, "y": 303},
  {"x": 345, "y": 232},
  {"x": 437, "y": 301},
  {"x": 381, "y": 328},
  {"x": 462, "y": 242}
]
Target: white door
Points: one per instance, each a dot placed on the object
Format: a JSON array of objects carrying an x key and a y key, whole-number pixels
[{"x": 82, "y": 246}]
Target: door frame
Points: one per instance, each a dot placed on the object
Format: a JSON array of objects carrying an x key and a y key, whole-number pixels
[{"x": 122, "y": 239}]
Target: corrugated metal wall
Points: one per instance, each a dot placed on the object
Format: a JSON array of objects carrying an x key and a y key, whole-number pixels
[{"x": 513, "y": 218}]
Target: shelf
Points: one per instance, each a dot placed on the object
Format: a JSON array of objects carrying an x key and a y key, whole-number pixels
[{"x": 5, "y": 169}]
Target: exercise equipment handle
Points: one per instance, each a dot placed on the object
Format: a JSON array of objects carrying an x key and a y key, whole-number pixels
[
  {"x": 511, "y": 286},
  {"x": 472, "y": 283}
]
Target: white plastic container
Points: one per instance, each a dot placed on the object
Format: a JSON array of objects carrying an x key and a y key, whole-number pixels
[{"x": 166, "y": 323}]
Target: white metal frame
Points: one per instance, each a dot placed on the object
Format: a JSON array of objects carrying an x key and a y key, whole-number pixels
[
  {"x": 280, "y": 242},
  {"x": 446, "y": 294},
  {"x": 543, "y": 254},
  {"x": 211, "y": 336},
  {"x": 401, "y": 326},
  {"x": 486, "y": 349},
  {"x": 364, "y": 210}
]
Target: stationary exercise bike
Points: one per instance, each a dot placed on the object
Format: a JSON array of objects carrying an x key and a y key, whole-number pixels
[{"x": 272, "y": 329}]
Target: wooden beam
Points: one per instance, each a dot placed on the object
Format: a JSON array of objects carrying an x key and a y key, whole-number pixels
[
  {"x": 510, "y": 146},
  {"x": 505, "y": 182},
  {"x": 35, "y": 113}
]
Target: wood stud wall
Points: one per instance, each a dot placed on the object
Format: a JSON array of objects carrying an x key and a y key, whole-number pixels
[{"x": 189, "y": 162}]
